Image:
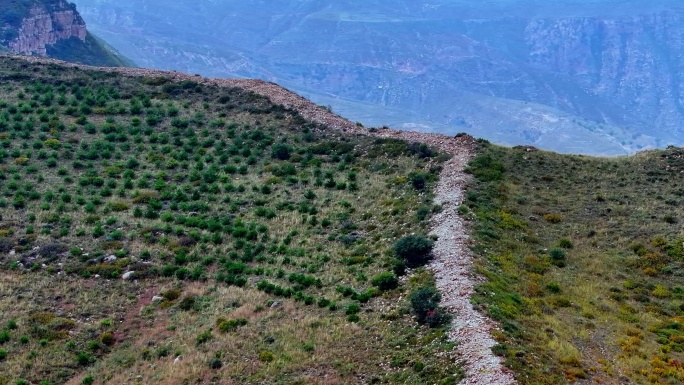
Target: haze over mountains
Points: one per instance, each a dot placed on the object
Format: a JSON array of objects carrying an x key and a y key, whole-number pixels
[
  {"x": 52, "y": 28},
  {"x": 600, "y": 77}
]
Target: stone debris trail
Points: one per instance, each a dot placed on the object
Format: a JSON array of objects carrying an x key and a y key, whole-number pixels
[
  {"x": 453, "y": 266},
  {"x": 453, "y": 262}
]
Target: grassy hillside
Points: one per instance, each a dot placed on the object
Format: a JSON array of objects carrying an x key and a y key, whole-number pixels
[
  {"x": 161, "y": 232},
  {"x": 585, "y": 261}
]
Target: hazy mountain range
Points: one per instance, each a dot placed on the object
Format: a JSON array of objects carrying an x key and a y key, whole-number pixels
[{"x": 601, "y": 77}]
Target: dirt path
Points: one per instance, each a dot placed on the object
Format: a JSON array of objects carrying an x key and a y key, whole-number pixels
[
  {"x": 453, "y": 264},
  {"x": 453, "y": 261}
]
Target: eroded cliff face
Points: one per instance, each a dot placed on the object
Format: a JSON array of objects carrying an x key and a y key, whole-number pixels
[
  {"x": 634, "y": 62},
  {"x": 47, "y": 25}
]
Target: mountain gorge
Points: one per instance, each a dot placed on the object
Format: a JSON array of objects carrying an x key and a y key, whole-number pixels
[
  {"x": 52, "y": 28},
  {"x": 600, "y": 77}
]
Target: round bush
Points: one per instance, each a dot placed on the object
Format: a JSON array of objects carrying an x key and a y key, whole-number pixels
[
  {"x": 425, "y": 305},
  {"x": 215, "y": 363},
  {"x": 557, "y": 256},
  {"x": 423, "y": 301},
  {"x": 418, "y": 180},
  {"x": 108, "y": 339},
  {"x": 385, "y": 281},
  {"x": 416, "y": 250},
  {"x": 281, "y": 151}
]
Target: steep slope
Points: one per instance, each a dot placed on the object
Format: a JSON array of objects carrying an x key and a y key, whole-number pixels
[
  {"x": 592, "y": 77},
  {"x": 585, "y": 263},
  {"x": 52, "y": 28},
  {"x": 170, "y": 228}
]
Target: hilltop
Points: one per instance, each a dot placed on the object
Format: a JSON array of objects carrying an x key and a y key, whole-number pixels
[
  {"x": 161, "y": 227},
  {"x": 165, "y": 227}
]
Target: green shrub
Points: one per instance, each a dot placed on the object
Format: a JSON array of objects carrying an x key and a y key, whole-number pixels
[
  {"x": 671, "y": 219},
  {"x": 565, "y": 243},
  {"x": 4, "y": 336},
  {"x": 188, "y": 303},
  {"x": 558, "y": 257},
  {"x": 203, "y": 338},
  {"x": 84, "y": 359},
  {"x": 425, "y": 305},
  {"x": 353, "y": 308},
  {"x": 215, "y": 363},
  {"x": 266, "y": 356},
  {"x": 281, "y": 151},
  {"x": 226, "y": 326},
  {"x": 415, "y": 250},
  {"x": 485, "y": 168},
  {"x": 385, "y": 281},
  {"x": 98, "y": 231},
  {"x": 418, "y": 180},
  {"x": 323, "y": 302}
]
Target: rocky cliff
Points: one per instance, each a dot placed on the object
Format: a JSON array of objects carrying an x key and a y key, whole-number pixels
[
  {"x": 51, "y": 28},
  {"x": 44, "y": 27}
]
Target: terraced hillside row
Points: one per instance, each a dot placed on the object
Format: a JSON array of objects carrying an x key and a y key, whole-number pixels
[{"x": 160, "y": 231}]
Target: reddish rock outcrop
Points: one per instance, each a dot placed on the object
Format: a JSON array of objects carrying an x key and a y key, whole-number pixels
[{"x": 44, "y": 27}]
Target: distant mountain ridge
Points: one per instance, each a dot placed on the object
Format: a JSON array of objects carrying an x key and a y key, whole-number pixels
[
  {"x": 597, "y": 77},
  {"x": 52, "y": 28}
]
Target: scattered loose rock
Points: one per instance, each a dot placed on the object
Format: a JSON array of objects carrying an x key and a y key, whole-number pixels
[{"x": 128, "y": 275}]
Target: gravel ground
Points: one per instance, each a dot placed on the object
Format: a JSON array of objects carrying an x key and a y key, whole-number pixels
[
  {"x": 453, "y": 262},
  {"x": 453, "y": 265}
]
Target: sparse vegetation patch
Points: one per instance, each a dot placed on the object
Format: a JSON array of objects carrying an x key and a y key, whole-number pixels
[{"x": 584, "y": 274}]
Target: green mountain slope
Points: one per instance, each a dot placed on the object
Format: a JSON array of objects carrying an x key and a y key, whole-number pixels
[
  {"x": 175, "y": 232},
  {"x": 92, "y": 51},
  {"x": 585, "y": 262}
]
